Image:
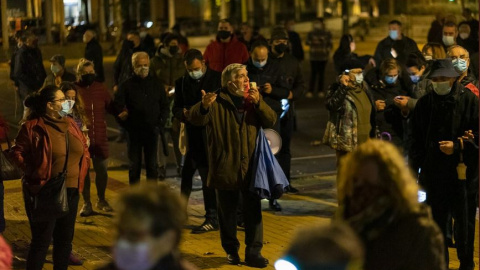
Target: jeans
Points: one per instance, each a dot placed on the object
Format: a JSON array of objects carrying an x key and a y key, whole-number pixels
[
  {"x": 101, "y": 177},
  {"x": 317, "y": 70},
  {"x": 61, "y": 229},
  {"x": 227, "y": 216},
  {"x": 138, "y": 141}
]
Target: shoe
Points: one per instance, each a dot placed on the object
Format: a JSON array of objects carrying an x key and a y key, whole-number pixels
[
  {"x": 104, "y": 206},
  {"x": 292, "y": 190},
  {"x": 274, "y": 205},
  {"x": 309, "y": 95},
  {"x": 74, "y": 259},
  {"x": 321, "y": 95},
  {"x": 207, "y": 226},
  {"x": 86, "y": 209},
  {"x": 256, "y": 261},
  {"x": 233, "y": 259},
  {"x": 162, "y": 173}
]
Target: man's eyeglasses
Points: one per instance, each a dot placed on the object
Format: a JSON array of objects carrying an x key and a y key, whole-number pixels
[{"x": 61, "y": 100}]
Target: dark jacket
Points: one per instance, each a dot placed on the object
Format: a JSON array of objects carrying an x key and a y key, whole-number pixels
[
  {"x": 122, "y": 68},
  {"x": 94, "y": 53},
  {"x": 219, "y": 55},
  {"x": 296, "y": 47},
  {"x": 443, "y": 118},
  {"x": 320, "y": 42},
  {"x": 291, "y": 76},
  {"x": 231, "y": 141},
  {"x": 145, "y": 101},
  {"x": 268, "y": 74},
  {"x": 167, "y": 68},
  {"x": 66, "y": 77},
  {"x": 97, "y": 103},
  {"x": 403, "y": 47},
  {"x": 29, "y": 72},
  {"x": 33, "y": 153}
]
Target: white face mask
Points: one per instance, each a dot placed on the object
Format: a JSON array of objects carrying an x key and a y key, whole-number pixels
[
  {"x": 67, "y": 106},
  {"x": 132, "y": 256},
  {"x": 448, "y": 40},
  {"x": 196, "y": 74},
  {"x": 141, "y": 71},
  {"x": 238, "y": 91},
  {"x": 359, "y": 78},
  {"x": 441, "y": 88}
]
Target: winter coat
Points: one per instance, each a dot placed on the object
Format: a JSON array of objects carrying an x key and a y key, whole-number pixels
[
  {"x": 94, "y": 53},
  {"x": 231, "y": 139},
  {"x": 167, "y": 68},
  {"x": 218, "y": 55},
  {"x": 341, "y": 130},
  {"x": 29, "y": 72},
  {"x": 403, "y": 47},
  {"x": 33, "y": 153},
  {"x": 97, "y": 103}
]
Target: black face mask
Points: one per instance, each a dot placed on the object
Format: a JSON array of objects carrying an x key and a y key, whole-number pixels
[
  {"x": 173, "y": 50},
  {"x": 88, "y": 79},
  {"x": 280, "y": 48},
  {"x": 223, "y": 34}
]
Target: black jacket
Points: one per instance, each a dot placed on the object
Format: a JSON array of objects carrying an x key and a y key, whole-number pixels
[
  {"x": 444, "y": 118},
  {"x": 146, "y": 103},
  {"x": 94, "y": 53},
  {"x": 29, "y": 73},
  {"x": 291, "y": 76},
  {"x": 268, "y": 74},
  {"x": 122, "y": 68},
  {"x": 403, "y": 47}
]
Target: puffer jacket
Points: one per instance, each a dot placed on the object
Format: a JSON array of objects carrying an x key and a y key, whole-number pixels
[
  {"x": 219, "y": 55},
  {"x": 341, "y": 131},
  {"x": 33, "y": 153},
  {"x": 231, "y": 142},
  {"x": 97, "y": 102}
]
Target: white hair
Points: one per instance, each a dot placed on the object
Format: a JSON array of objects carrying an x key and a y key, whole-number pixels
[
  {"x": 138, "y": 55},
  {"x": 230, "y": 72}
]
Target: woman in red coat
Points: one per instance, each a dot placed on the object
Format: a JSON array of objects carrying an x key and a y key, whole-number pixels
[{"x": 97, "y": 101}]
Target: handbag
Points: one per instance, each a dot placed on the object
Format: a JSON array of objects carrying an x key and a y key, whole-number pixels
[
  {"x": 8, "y": 169},
  {"x": 51, "y": 202}
]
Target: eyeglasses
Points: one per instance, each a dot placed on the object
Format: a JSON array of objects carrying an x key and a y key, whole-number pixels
[{"x": 61, "y": 100}]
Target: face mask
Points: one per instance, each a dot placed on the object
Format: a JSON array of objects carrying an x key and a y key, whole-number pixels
[
  {"x": 239, "y": 91},
  {"x": 393, "y": 34},
  {"x": 359, "y": 78},
  {"x": 428, "y": 57},
  {"x": 173, "y": 50},
  {"x": 460, "y": 65},
  {"x": 259, "y": 64},
  {"x": 391, "y": 79},
  {"x": 352, "y": 46},
  {"x": 415, "y": 78},
  {"x": 224, "y": 34},
  {"x": 129, "y": 256},
  {"x": 67, "y": 106},
  {"x": 196, "y": 74},
  {"x": 88, "y": 79},
  {"x": 441, "y": 88},
  {"x": 464, "y": 35},
  {"x": 143, "y": 35},
  {"x": 141, "y": 71},
  {"x": 55, "y": 69},
  {"x": 448, "y": 40},
  {"x": 280, "y": 48}
]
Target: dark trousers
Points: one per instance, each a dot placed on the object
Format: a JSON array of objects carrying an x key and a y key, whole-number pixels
[
  {"x": 209, "y": 199},
  {"x": 284, "y": 127},
  {"x": 227, "y": 204},
  {"x": 452, "y": 198},
  {"x": 101, "y": 177},
  {"x": 61, "y": 229},
  {"x": 317, "y": 71},
  {"x": 138, "y": 141}
]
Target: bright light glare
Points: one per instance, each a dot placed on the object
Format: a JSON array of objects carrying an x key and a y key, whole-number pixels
[
  {"x": 284, "y": 265},
  {"x": 422, "y": 196},
  {"x": 148, "y": 24}
]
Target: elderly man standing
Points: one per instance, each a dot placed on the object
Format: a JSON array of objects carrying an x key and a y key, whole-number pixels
[
  {"x": 232, "y": 118},
  {"x": 440, "y": 118},
  {"x": 144, "y": 108},
  {"x": 461, "y": 63}
]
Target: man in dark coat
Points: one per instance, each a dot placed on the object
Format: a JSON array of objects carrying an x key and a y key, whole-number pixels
[
  {"x": 188, "y": 93},
  {"x": 440, "y": 118},
  {"x": 396, "y": 45},
  {"x": 94, "y": 53},
  {"x": 144, "y": 108}
]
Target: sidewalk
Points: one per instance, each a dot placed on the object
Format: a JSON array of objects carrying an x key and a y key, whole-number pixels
[{"x": 315, "y": 204}]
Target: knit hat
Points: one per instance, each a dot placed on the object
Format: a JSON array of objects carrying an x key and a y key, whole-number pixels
[{"x": 279, "y": 32}]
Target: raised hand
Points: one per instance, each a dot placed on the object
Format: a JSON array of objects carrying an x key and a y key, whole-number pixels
[{"x": 208, "y": 99}]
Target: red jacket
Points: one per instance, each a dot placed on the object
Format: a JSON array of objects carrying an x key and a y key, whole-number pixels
[
  {"x": 97, "y": 102},
  {"x": 219, "y": 55},
  {"x": 33, "y": 153}
]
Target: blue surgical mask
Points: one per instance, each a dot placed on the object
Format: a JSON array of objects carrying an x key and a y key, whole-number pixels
[
  {"x": 391, "y": 79},
  {"x": 67, "y": 106},
  {"x": 359, "y": 78},
  {"x": 259, "y": 64},
  {"x": 393, "y": 34},
  {"x": 415, "y": 78},
  {"x": 460, "y": 65},
  {"x": 196, "y": 74}
]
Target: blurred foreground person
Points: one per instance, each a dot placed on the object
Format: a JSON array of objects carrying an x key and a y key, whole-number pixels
[
  {"x": 335, "y": 247},
  {"x": 149, "y": 229},
  {"x": 378, "y": 199}
]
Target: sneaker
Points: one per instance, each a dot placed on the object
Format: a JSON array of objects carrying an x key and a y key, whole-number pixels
[
  {"x": 104, "y": 206},
  {"x": 74, "y": 259},
  {"x": 292, "y": 190},
  {"x": 309, "y": 95},
  {"x": 86, "y": 209},
  {"x": 321, "y": 95},
  {"x": 207, "y": 226}
]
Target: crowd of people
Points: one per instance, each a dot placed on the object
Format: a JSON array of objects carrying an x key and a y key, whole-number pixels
[{"x": 425, "y": 103}]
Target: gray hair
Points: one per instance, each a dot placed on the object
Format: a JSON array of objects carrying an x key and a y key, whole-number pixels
[
  {"x": 138, "y": 55},
  {"x": 230, "y": 71},
  {"x": 449, "y": 50}
]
